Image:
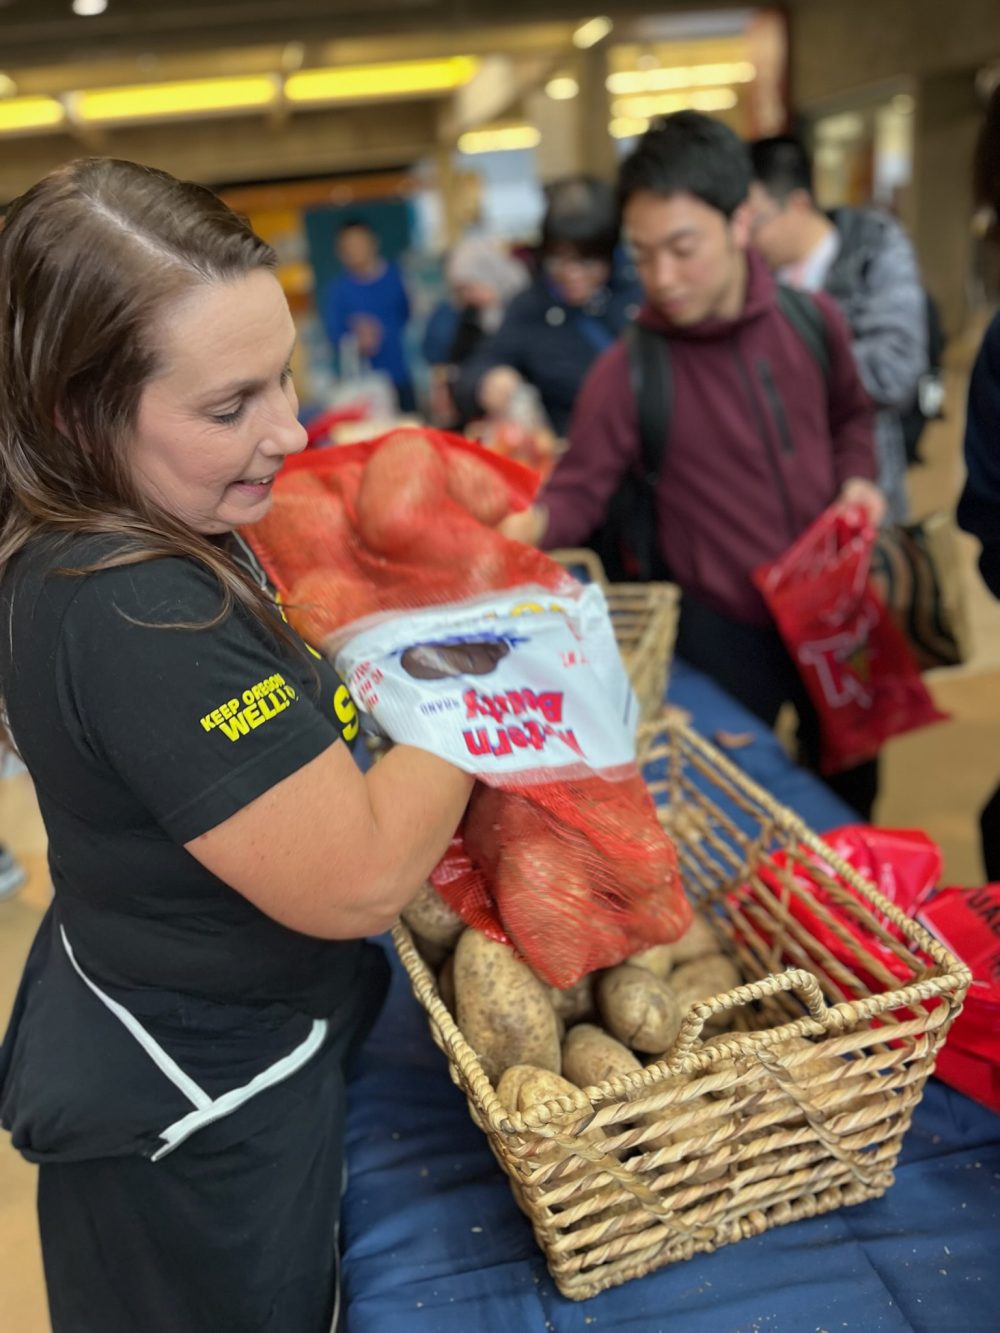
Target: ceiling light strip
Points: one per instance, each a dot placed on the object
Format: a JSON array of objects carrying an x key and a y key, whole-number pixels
[{"x": 361, "y": 82}]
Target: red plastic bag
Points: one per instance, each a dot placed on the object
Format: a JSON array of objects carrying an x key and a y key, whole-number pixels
[
  {"x": 576, "y": 873},
  {"x": 904, "y": 865},
  {"x": 854, "y": 662},
  {"x": 320, "y": 427},
  {"x": 967, "y": 921}
]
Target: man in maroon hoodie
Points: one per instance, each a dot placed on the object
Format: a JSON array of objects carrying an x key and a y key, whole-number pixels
[{"x": 762, "y": 437}]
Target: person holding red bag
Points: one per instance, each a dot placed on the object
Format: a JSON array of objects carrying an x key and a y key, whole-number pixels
[{"x": 762, "y": 422}]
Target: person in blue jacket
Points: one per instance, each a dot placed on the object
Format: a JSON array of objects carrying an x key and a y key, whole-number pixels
[
  {"x": 577, "y": 306},
  {"x": 979, "y": 506},
  {"x": 367, "y": 301}
]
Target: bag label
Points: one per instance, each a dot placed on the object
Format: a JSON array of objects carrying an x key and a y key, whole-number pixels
[{"x": 517, "y": 683}]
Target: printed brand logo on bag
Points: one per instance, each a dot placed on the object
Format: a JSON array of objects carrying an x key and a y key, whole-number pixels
[
  {"x": 843, "y": 665},
  {"x": 505, "y": 685},
  {"x": 530, "y": 732}
]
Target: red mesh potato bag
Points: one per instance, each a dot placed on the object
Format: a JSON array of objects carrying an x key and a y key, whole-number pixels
[{"x": 573, "y": 870}]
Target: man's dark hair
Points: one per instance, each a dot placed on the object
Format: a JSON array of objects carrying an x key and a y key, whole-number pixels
[
  {"x": 582, "y": 215},
  {"x": 688, "y": 153},
  {"x": 355, "y": 223},
  {"x": 781, "y": 164}
]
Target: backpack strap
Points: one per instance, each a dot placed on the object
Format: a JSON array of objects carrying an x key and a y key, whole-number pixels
[
  {"x": 634, "y": 506},
  {"x": 652, "y": 386},
  {"x": 806, "y": 318}
]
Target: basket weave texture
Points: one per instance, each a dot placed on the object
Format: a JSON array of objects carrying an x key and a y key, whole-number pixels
[{"x": 726, "y": 1136}]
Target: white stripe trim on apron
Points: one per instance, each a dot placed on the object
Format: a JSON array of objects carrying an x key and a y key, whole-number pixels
[{"x": 206, "y": 1109}]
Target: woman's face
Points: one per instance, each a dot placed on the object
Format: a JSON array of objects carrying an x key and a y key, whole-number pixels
[
  {"x": 218, "y": 420},
  {"x": 577, "y": 278}
]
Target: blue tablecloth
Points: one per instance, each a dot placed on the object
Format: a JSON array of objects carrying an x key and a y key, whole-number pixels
[{"x": 433, "y": 1241}]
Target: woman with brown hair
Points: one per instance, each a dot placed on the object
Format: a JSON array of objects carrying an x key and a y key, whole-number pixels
[{"x": 175, "y": 1056}]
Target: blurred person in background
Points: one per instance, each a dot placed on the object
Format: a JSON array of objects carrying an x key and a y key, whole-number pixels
[
  {"x": 577, "y": 305},
  {"x": 175, "y": 1061},
  {"x": 367, "y": 301},
  {"x": 979, "y": 505},
  {"x": 760, "y": 440},
  {"x": 864, "y": 260},
  {"x": 12, "y": 873},
  {"x": 482, "y": 280}
]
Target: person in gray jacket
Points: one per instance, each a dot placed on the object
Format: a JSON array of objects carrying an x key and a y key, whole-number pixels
[{"x": 864, "y": 260}]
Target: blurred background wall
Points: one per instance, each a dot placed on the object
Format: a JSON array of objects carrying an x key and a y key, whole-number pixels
[{"x": 444, "y": 115}]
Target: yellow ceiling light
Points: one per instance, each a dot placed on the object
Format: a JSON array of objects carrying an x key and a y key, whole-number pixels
[
  {"x": 663, "y": 104},
  {"x": 639, "y": 108},
  {"x": 562, "y": 88},
  {"x": 592, "y": 32},
  {"x": 680, "y": 76},
  {"x": 30, "y": 113},
  {"x": 713, "y": 99},
  {"x": 352, "y": 83},
  {"x": 627, "y": 127},
  {"x": 499, "y": 139},
  {"x": 188, "y": 97}
]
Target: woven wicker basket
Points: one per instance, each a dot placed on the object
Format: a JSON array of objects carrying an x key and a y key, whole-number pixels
[
  {"x": 644, "y": 616},
  {"x": 727, "y": 1136}
]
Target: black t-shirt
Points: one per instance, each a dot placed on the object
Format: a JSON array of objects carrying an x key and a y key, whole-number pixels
[{"x": 139, "y": 736}]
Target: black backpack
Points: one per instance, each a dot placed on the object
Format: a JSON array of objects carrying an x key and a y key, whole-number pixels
[{"x": 627, "y": 539}]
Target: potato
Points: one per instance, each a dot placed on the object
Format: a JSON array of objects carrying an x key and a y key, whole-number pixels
[
  {"x": 638, "y": 1008},
  {"x": 704, "y": 978},
  {"x": 446, "y": 984},
  {"x": 659, "y": 960},
  {"x": 562, "y": 902},
  {"x": 430, "y": 916},
  {"x": 326, "y": 599},
  {"x": 477, "y": 487},
  {"x": 431, "y": 952},
  {"x": 400, "y": 493},
  {"x": 697, "y": 941},
  {"x": 523, "y": 1086},
  {"x": 590, "y": 1055},
  {"x": 502, "y": 1008},
  {"x": 575, "y": 1004}
]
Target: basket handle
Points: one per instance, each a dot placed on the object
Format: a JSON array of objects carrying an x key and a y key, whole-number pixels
[{"x": 796, "y": 979}]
